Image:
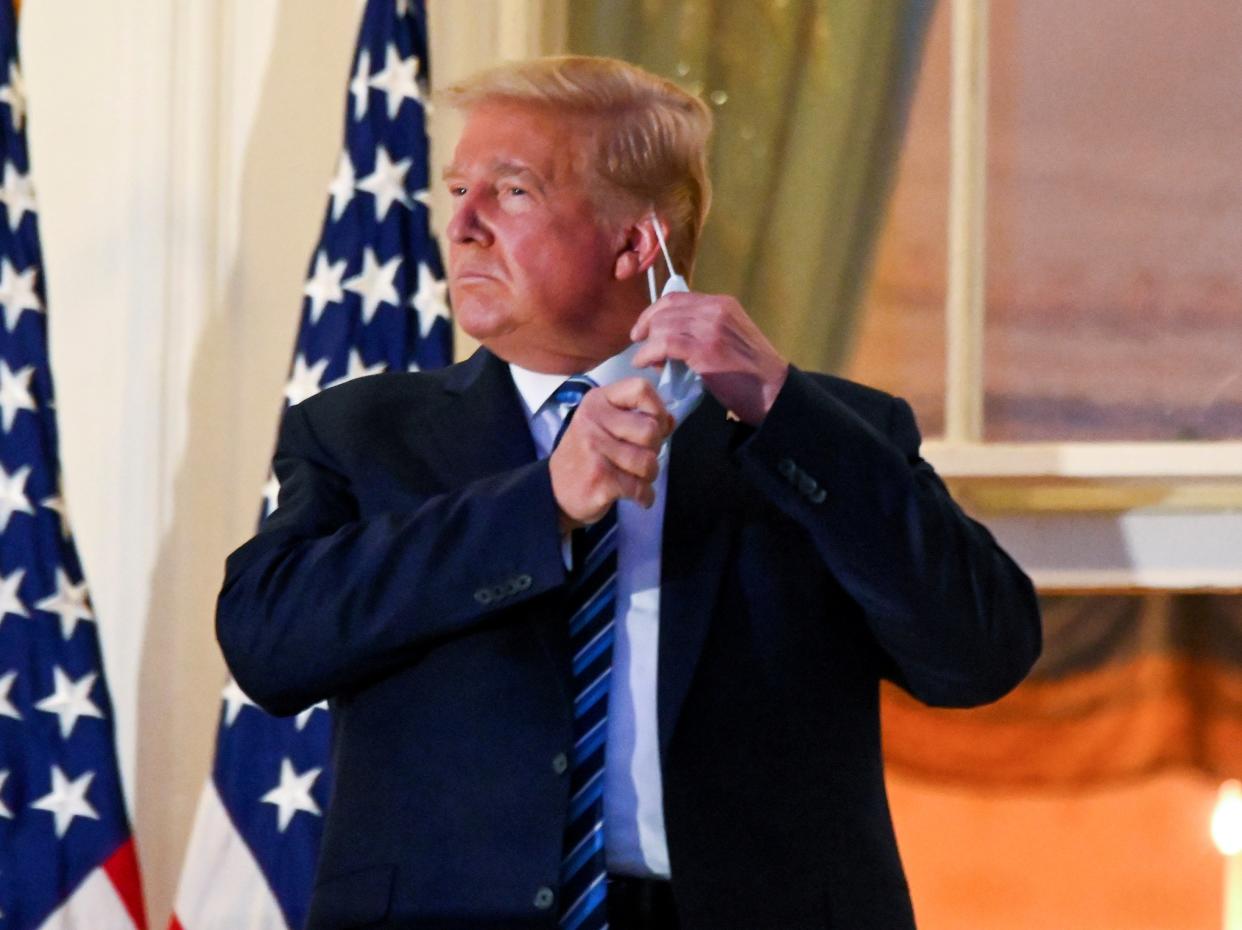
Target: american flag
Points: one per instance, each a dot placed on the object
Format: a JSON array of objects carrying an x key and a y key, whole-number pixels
[
  {"x": 374, "y": 300},
  {"x": 66, "y": 852}
]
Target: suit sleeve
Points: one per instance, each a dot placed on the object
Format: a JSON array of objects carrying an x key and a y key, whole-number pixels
[
  {"x": 321, "y": 601},
  {"x": 956, "y": 617}
]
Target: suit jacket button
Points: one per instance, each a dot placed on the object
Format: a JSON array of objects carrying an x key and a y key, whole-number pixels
[
  {"x": 483, "y": 596},
  {"x": 523, "y": 582},
  {"x": 787, "y": 468},
  {"x": 544, "y": 898},
  {"x": 560, "y": 763},
  {"x": 807, "y": 485},
  {"x": 818, "y": 496}
]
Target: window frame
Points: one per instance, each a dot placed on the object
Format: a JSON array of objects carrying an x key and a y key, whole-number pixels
[
  {"x": 1173, "y": 510},
  {"x": 1141, "y": 490}
]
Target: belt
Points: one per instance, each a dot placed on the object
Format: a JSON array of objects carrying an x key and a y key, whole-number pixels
[{"x": 640, "y": 904}]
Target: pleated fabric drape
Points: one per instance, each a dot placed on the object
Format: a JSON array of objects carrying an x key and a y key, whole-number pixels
[{"x": 810, "y": 98}]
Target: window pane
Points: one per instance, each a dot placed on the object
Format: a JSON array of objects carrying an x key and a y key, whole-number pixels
[
  {"x": 900, "y": 341},
  {"x": 1115, "y": 221}
]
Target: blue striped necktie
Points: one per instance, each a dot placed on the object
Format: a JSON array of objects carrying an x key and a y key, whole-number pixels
[{"x": 590, "y": 608}]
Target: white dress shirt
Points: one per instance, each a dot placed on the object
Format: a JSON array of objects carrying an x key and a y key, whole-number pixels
[{"x": 634, "y": 838}]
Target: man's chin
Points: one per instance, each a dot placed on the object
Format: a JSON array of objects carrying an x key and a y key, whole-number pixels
[{"x": 478, "y": 319}]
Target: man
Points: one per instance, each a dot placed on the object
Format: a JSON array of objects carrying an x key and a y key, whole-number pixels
[{"x": 575, "y": 682}]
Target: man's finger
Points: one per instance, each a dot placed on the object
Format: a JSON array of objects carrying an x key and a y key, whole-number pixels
[
  {"x": 661, "y": 347},
  {"x": 652, "y": 353},
  {"x": 626, "y": 457},
  {"x": 633, "y": 426},
  {"x": 638, "y": 332},
  {"x": 630, "y": 487},
  {"x": 638, "y": 394}
]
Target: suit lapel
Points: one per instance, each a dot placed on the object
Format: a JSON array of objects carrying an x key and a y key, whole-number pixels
[
  {"x": 482, "y": 430},
  {"x": 698, "y": 533}
]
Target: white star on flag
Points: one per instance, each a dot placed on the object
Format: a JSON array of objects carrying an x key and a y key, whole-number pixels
[
  {"x": 293, "y": 793},
  {"x": 357, "y": 368},
  {"x": 17, "y": 292},
  {"x": 14, "y": 94},
  {"x": 304, "y": 382},
  {"x": 387, "y": 183},
  {"x": 6, "y": 706},
  {"x": 13, "y": 497},
  {"x": 234, "y": 700},
  {"x": 70, "y": 699},
  {"x": 374, "y": 284},
  {"x": 304, "y": 716},
  {"x": 4, "y": 808},
  {"x": 429, "y": 299},
  {"x": 399, "y": 79},
  {"x": 342, "y": 186},
  {"x": 271, "y": 495},
  {"x": 10, "y": 602},
  {"x": 67, "y": 799},
  {"x": 358, "y": 87},
  {"x": 375, "y": 218},
  {"x": 17, "y": 194},
  {"x": 324, "y": 286},
  {"x": 56, "y": 504},
  {"x": 14, "y": 393},
  {"x": 68, "y": 602}
]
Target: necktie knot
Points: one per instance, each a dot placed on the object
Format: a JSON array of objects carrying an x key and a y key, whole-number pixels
[
  {"x": 572, "y": 389},
  {"x": 567, "y": 397}
]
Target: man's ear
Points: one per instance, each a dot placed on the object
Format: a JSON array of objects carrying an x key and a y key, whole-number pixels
[{"x": 639, "y": 250}]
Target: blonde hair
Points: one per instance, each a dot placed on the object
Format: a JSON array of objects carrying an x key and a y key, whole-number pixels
[{"x": 651, "y": 135}]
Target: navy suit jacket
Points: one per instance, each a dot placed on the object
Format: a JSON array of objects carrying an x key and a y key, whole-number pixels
[{"x": 412, "y": 575}]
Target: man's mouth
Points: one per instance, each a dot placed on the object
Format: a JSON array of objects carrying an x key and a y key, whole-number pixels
[{"x": 472, "y": 276}]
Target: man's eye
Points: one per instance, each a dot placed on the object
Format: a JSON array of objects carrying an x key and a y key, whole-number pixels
[
  {"x": 516, "y": 191},
  {"x": 457, "y": 190}
]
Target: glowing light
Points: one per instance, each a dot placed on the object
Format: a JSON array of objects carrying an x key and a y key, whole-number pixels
[{"x": 1227, "y": 819}]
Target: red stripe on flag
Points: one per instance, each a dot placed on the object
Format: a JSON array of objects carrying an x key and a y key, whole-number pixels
[
  {"x": 122, "y": 869},
  {"x": 174, "y": 923}
]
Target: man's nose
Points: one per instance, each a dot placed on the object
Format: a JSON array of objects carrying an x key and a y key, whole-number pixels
[{"x": 467, "y": 223}]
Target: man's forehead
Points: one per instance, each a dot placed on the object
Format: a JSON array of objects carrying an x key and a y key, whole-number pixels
[{"x": 503, "y": 137}]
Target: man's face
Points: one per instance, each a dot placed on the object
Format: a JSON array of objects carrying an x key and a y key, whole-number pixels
[{"x": 531, "y": 259}]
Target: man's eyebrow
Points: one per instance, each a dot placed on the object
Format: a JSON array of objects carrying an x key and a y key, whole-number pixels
[
  {"x": 513, "y": 167},
  {"x": 501, "y": 168}
]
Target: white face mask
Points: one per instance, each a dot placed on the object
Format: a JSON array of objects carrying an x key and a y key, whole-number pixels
[{"x": 679, "y": 386}]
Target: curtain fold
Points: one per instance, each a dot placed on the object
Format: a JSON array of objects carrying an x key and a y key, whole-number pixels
[
  {"x": 810, "y": 99},
  {"x": 1128, "y": 686}
]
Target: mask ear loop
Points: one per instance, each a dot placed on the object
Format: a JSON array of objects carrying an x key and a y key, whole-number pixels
[{"x": 668, "y": 259}]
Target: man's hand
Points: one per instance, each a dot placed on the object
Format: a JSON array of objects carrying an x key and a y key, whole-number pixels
[
  {"x": 713, "y": 335},
  {"x": 608, "y": 452}
]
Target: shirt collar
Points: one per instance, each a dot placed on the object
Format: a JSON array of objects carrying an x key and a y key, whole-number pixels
[{"x": 535, "y": 387}]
